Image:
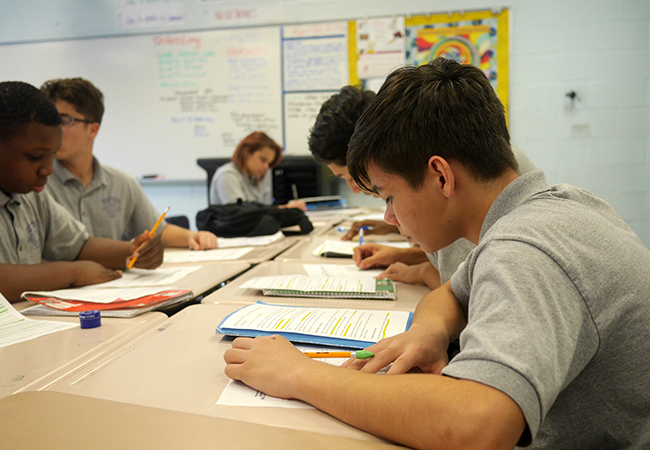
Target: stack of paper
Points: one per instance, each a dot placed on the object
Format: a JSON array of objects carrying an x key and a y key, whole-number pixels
[{"x": 305, "y": 286}]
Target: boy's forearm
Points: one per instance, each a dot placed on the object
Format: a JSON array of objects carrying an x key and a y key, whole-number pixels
[
  {"x": 418, "y": 410},
  {"x": 412, "y": 255},
  {"x": 441, "y": 309},
  {"x": 18, "y": 278},
  {"x": 175, "y": 236},
  {"x": 107, "y": 252}
]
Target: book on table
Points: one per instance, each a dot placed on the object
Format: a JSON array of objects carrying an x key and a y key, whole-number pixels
[
  {"x": 339, "y": 327},
  {"x": 112, "y": 302},
  {"x": 325, "y": 287}
]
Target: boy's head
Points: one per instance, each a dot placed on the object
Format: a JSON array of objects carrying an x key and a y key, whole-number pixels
[
  {"x": 441, "y": 108},
  {"x": 330, "y": 135},
  {"x": 81, "y": 106},
  {"x": 30, "y": 134},
  {"x": 81, "y": 94}
]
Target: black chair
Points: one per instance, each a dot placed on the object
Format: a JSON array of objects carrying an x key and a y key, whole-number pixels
[
  {"x": 210, "y": 165},
  {"x": 310, "y": 178},
  {"x": 181, "y": 221}
]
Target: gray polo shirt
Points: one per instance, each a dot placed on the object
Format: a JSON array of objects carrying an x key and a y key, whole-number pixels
[
  {"x": 447, "y": 260},
  {"x": 558, "y": 301},
  {"x": 35, "y": 227},
  {"x": 229, "y": 184},
  {"x": 113, "y": 206}
]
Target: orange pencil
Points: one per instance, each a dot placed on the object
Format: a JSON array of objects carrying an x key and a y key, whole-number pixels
[
  {"x": 359, "y": 354},
  {"x": 153, "y": 230}
]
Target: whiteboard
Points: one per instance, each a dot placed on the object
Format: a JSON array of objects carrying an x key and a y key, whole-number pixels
[{"x": 169, "y": 98}]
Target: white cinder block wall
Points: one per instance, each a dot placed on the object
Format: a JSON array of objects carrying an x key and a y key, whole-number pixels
[{"x": 600, "y": 49}]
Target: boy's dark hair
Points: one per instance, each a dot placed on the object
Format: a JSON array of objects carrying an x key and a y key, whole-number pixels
[
  {"x": 441, "y": 108},
  {"x": 21, "y": 104},
  {"x": 329, "y": 137},
  {"x": 80, "y": 93}
]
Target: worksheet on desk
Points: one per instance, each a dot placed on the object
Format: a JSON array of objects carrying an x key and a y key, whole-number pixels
[
  {"x": 15, "y": 328},
  {"x": 339, "y": 271},
  {"x": 217, "y": 254},
  {"x": 254, "y": 241},
  {"x": 143, "y": 278},
  {"x": 237, "y": 393}
]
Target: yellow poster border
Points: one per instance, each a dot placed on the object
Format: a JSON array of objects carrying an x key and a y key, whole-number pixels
[{"x": 503, "y": 43}]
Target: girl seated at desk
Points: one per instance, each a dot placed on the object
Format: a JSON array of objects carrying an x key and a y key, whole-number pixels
[{"x": 246, "y": 176}]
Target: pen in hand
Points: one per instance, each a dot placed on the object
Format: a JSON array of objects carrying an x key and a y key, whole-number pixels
[
  {"x": 359, "y": 354},
  {"x": 151, "y": 233},
  {"x": 361, "y": 229}
]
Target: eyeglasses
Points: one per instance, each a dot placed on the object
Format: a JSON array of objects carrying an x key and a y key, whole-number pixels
[{"x": 68, "y": 121}]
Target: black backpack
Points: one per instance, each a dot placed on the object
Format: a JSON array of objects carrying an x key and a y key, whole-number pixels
[{"x": 251, "y": 219}]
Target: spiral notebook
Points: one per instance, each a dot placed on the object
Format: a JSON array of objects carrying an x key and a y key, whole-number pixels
[{"x": 305, "y": 286}]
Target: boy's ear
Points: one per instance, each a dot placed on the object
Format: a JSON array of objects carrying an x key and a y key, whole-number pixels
[
  {"x": 439, "y": 168},
  {"x": 94, "y": 129}
]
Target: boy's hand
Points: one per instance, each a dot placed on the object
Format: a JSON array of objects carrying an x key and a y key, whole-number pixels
[
  {"x": 90, "y": 272},
  {"x": 148, "y": 250},
  {"x": 420, "y": 346},
  {"x": 368, "y": 256},
  {"x": 269, "y": 364},
  {"x": 203, "y": 240},
  {"x": 376, "y": 227}
]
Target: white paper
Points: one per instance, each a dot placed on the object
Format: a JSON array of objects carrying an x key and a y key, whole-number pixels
[
  {"x": 364, "y": 325},
  {"x": 142, "y": 277},
  {"x": 339, "y": 271},
  {"x": 100, "y": 295},
  {"x": 305, "y": 283},
  {"x": 255, "y": 241},
  {"x": 15, "y": 328},
  {"x": 237, "y": 393},
  {"x": 218, "y": 254},
  {"x": 332, "y": 246}
]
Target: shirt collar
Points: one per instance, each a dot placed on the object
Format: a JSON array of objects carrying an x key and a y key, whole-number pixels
[
  {"x": 8, "y": 199},
  {"x": 514, "y": 195},
  {"x": 64, "y": 175}
]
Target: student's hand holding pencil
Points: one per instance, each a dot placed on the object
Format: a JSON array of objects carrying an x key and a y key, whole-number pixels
[{"x": 148, "y": 251}]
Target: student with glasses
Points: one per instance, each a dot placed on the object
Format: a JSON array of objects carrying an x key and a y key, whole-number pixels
[{"x": 109, "y": 202}]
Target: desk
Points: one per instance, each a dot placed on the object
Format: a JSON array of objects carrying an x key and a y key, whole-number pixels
[
  {"x": 408, "y": 295},
  {"x": 304, "y": 251},
  {"x": 257, "y": 254},
  {"x": 80, "y": 423},
  {"x": 179, "y": 367},
  {"x": 209, "y": 276},
  {"x": 63, "y": 351}
]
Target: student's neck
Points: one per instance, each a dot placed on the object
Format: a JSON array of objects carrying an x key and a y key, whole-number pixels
[
  {"x": 482, "y": 199},
  {"x": 81, "y": 166}
]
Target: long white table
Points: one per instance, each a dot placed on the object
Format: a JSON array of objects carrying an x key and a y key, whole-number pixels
[
  {"x": 179, "y": 366},
  {"x": 408, "y": 295}
]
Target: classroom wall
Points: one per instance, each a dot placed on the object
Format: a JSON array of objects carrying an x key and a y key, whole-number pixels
[{"x": 599, "y": 49}]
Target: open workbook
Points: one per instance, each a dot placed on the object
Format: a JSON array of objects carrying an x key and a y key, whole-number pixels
[
  {"x": 325, "y": 287},
  {"x": 339, "y": 327}
]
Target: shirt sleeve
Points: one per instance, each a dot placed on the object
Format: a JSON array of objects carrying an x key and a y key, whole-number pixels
[
  {"x": 529, "y": 332},
  {"x": 144, "y": 215},
  {"x": 64, "y": 235},
  {"x": 228, "y": 188}
]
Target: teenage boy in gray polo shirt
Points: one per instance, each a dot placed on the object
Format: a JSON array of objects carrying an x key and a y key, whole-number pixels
[
  {"x": 552, "y": 307},
  {"x": 111, "y": 203},
  {"x": 32, "y": 225},
  {"x": 328, "y": 143}
]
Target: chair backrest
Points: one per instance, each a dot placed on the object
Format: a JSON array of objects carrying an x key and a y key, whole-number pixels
[
  {"x": 310, "y": 178},
  {"x": 181, "y": 221}
]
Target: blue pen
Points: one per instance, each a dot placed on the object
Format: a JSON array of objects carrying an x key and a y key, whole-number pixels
[{"x": 361, "y": 233}]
